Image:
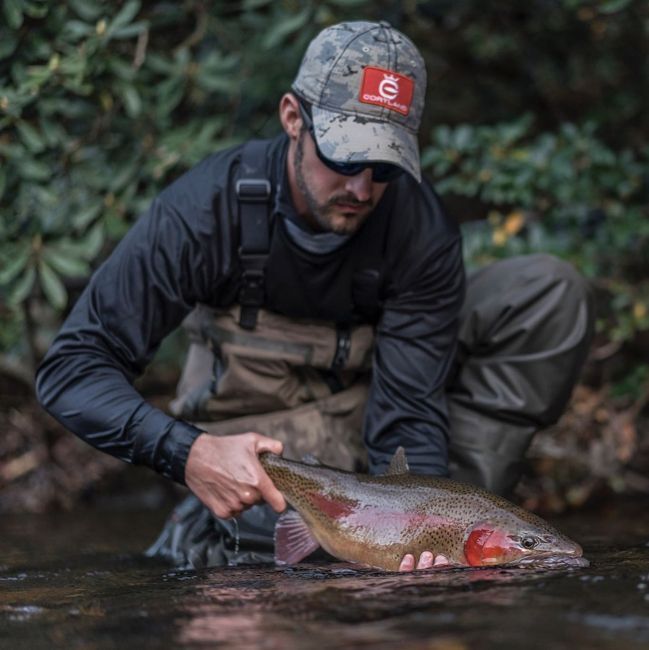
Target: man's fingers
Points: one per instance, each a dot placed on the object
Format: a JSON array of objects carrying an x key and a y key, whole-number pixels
[
  {"x": 224, "y": 510},
  {"x": 269, "y": 493},
  {"x": 249, "y": 496},
  {"x": 274, "y": 498},
  {"x": 267, "y": 490},
  {"x": 425, "y": 560},
  {"x": 408, "y": 563},
  {"x": 224, "y": 472}
]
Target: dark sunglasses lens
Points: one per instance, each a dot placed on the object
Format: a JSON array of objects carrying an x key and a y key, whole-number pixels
[
  {"x": 381, "y": 172},
  {"x": 384, "y": 172},
  {"x": 346, "y": 169}
]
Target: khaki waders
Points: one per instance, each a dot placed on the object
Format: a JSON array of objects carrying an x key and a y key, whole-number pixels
[{"x": 525, "y": 329}]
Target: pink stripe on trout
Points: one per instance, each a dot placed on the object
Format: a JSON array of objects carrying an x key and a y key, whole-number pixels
[{"x": 376, "y": 520}]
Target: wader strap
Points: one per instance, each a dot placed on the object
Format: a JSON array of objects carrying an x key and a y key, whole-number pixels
[
  {"x": 253, "y": 195},
  {"x": 343, "y": 346}
]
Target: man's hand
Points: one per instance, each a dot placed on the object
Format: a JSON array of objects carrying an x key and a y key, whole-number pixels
[
  {"x": 426, "y": 561},
  {"x": 226, "y": 475}
]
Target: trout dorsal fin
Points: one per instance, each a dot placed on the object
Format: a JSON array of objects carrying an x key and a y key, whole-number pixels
[
  {"x": 399, "y": 463},
  {"x": 310, "y": 459}
]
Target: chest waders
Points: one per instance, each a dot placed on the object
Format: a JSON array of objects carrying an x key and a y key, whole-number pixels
[{"x": 302, "y": 381}]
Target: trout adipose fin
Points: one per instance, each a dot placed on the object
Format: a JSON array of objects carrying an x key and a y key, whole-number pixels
[{"x": 293, "y": 539}]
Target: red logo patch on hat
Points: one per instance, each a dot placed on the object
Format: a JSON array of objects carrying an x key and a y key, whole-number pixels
[{"x": 386, "y": 88}]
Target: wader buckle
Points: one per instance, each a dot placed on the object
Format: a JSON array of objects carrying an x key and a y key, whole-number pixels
[
  {"x": 253, "y": 190},
  {"x": 252, "y": 289},
  {"x": 343, "y": 346}
]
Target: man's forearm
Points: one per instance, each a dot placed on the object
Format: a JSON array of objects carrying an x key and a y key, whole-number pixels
[{"x": 96, "y": 401}]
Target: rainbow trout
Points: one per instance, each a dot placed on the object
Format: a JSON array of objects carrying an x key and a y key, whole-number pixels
[{"x": 376, "y": 520}]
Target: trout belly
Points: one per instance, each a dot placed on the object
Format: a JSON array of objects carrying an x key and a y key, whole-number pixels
[{"x": 382, "y": 539}]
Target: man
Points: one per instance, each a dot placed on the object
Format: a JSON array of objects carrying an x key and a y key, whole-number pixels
[{"x": 323, "y": 288}]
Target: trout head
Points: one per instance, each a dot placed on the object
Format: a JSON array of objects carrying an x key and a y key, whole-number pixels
[{"x": 516, "y": 542}]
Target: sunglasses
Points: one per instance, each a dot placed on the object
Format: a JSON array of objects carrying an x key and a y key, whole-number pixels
[{"x": 381, "y": 172}]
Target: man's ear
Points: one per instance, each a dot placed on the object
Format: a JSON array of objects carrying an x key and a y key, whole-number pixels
[{"x": 289, "y": 115}]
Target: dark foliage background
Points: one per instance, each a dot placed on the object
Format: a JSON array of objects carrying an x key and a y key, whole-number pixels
[{"x": 534, "y": 132}]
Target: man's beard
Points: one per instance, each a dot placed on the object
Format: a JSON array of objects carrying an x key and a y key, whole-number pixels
[{"x": 321, "y": 212}]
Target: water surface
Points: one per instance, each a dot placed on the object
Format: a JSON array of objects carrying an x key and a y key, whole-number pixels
[{"x": 78, "y": 580}]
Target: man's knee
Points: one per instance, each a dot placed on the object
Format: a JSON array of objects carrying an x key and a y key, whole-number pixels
[
  {"x": 558, "y": 272},
  {"x": 524, "y": 337},
  {"x": 562, "y": 306},
  {"x": 530, "y": 303}
]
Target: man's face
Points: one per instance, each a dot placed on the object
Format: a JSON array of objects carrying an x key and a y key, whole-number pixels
[{"x": 334, "y": 202}]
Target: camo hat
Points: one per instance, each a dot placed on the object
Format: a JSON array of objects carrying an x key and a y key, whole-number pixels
[{"x": 366, "y": 84}]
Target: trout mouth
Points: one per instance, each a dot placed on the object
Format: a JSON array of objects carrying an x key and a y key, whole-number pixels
[{"x": 550, "y": 561}]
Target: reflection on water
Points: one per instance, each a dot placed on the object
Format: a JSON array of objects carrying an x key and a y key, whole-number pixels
[{"x": 78, "y": 581}]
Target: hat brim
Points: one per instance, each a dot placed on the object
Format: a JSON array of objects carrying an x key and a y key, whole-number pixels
[{"x": 352, "y": 138}]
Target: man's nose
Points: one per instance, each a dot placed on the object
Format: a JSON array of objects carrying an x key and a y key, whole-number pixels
[{"x": 360, "y": 185}]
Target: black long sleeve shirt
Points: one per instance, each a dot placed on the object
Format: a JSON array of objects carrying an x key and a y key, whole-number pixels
[{"x": 182, "y": 252}]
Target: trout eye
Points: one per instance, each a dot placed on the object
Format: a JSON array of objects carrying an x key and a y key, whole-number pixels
[{"x": 529, "y": 542}]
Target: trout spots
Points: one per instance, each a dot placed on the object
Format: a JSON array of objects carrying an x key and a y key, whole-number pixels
[{"x": 376, "y": 520}]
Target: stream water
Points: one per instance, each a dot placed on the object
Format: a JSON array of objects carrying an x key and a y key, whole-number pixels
[{"x": 79, "y": 580}]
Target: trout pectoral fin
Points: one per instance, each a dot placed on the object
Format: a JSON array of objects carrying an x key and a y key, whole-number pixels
[{"x": 293, "y": 539}]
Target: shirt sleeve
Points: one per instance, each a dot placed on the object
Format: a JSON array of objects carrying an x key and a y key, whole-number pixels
[
  {"x": 152, "y": 280},
  {"x": 416, "y": 341}
]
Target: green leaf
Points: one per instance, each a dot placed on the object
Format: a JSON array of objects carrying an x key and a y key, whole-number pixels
[
  {"x": 124, "y": 17},
  {"x": 348, "y": 3},
  {"x": 36, "y": 8},
  {"x": 53, "y": 133},
  {"x": 121, "y": 68},
  {"x": 284, "y": 28},
  {"x": 8, "y": 43},
  {"x": 52, "y": 286},
  {"x": 134, "y": 29},
  {"x": 14, "y": 267},
  {"x": 87, "y": 215},
  {"x": 87, "y": 247},
  {"x": 89, "y": 10},
  {"x": 34, "y": 170},
  {"x": 169, "y": 94},
  {"x": 132, "y": 101},
  {"x": 613, "y": 6},
  {"x": 428, "y": 157},
  {"x": 93, "y": 242},
  {"x": 249, "y": 5},
  {"x": 217, "y": 83},
  {"x": 65, "y": 264},
  {"x": 13, "y": 11},
  {"x": 23, "y": 287},
  {"x": 75, "y": 29},
  {"x": 125, "y": 174},
  {"x": 30, "y": 136}
]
